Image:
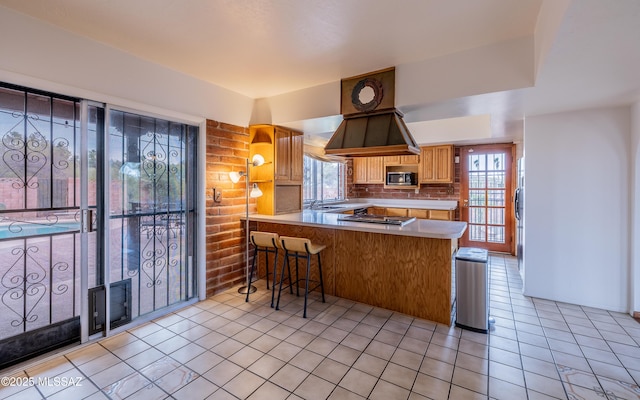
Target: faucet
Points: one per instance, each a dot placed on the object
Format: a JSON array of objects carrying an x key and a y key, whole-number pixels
[{"x": 312, "y": 204}]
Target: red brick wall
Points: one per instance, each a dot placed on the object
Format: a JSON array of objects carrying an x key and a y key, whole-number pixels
[
  {"x": 426, "y": 192},
  {"x": 227, "y": 150}
]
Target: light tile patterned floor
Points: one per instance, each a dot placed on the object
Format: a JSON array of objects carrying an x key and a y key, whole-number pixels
[{"x": 224, "y": 348}]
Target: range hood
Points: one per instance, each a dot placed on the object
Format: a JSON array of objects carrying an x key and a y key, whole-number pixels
[
  {"x": 382, "y": 133},
  {"x": 371, "y": 125}
]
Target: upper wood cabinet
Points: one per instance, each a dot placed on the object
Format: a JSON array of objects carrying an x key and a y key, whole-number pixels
[
  {"x": 368, "y": 170},
  {"x": 402, "y": 160},
  {"x": 289, "y": 154},
  {"x": 437, "y": 164},
  {"x": 280, "y": 177}
]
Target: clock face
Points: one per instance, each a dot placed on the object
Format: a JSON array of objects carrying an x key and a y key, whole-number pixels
[{"x": 367, "y": 94}]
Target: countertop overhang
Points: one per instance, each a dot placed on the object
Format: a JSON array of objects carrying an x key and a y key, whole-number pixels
[{"x": 426, "y": 228}]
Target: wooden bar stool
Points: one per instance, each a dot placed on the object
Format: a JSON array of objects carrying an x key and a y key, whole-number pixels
[
  {"x": 266, "y": 242},
  {"x": 300, "y": 248}
]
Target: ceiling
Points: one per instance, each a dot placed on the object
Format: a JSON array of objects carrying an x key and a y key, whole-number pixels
[{"x": 263, "y": 48}]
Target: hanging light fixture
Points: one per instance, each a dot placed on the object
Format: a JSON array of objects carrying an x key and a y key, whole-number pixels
[{"x": 256, "y": 161}]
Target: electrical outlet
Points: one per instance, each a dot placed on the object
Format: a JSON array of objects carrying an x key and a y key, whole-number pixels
[{"x": 417, "y": 191}]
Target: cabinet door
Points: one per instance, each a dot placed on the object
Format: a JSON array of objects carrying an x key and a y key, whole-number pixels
[
  {"x": 392, "y": 160},
  {"x": 376, "y": 210},
  {"x": 426, "y": 167},
  {"x": 444, "y": 215},
  {"x": 297, "y": 157},
  {"x": 408, "y": 160},
  {"x": 419, "y": 213},
  {"x": 375, "y": 167},
  {"x": 396, "y": 212},
  {"x": 360, "y": 170},
  {"x": 443, "y": 164},
  {"x": 283, "y": 155}
]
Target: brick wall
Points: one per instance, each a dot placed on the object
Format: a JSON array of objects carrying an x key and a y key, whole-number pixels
[
  {"x": 427, "y": 192},
  {"x": 227, "y": 150}
]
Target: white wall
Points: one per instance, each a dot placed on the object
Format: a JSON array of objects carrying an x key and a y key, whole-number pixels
[
  {"x": 42, "y": 56},
  {"x": 635, "y": 209},
  {"x": 578, "y": 208}
]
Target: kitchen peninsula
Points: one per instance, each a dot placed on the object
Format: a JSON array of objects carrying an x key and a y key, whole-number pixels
[{"x": 402, "y": 268}]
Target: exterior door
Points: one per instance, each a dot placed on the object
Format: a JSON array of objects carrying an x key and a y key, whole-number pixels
[
  {"x": 45, "y": 220},
  {"x": 151, "y": 226},
  {"x": 486, "y": 190}
]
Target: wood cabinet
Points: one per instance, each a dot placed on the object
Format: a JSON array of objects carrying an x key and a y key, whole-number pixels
[
  {"x": 289, "y": 154},
  {"x": 437, "y": 164},
  {"x": 445, "y": 215},
  {"x": 368, "y": 170},
  {"x": 376, "y": 210},
  {"x": 280, "y": 177},
  {"x": 402, "y": 160},
  {"x": 396, "y": 212},
  {"x": 420, "y": 213}
]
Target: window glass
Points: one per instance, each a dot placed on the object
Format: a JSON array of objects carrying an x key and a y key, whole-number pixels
[{"x": 323, "y": 181}]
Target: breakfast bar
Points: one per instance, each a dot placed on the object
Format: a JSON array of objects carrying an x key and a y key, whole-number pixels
[{"x": 404, "y": 268}]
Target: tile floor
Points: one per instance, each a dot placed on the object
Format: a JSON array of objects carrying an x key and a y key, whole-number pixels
[{"x": 224, "y": 348}]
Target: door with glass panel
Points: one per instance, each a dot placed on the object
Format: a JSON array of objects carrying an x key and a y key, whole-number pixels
[
  {"x": 151, "y": 224},
  {"x": 486, "y": 182},
  {"x": 46, "y": 219}
]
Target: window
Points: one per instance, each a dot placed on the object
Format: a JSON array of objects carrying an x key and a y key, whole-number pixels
[{"x": 323, "y": 180}]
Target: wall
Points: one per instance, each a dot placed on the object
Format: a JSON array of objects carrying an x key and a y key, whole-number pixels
[
  {"x": 49, "y": 58},
  {"x": 634, "y": 242},
  {"x": 426, "y": 192},
  {"x": 577, "y": 207},
  {"x": 227, "y": 150}
]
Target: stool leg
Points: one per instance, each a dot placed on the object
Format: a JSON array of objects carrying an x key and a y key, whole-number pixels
[
  {"x": 266, "y": 256},
  {"x": 286, "y": 261},
  {"x": 275, "y": 269},
  {"x": 321, "y": 281},
  {"x": 297, "y": 286},
  {"x": 289, "y": 270},
  {"x": 306, "y": 285},
  {"x": 253, "y": 266}
]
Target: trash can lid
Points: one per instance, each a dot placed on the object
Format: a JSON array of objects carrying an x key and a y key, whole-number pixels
[{"x": 472, "y": 254}]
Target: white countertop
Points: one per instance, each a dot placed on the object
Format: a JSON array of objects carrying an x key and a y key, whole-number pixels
[{"x": 419, "y": 228}]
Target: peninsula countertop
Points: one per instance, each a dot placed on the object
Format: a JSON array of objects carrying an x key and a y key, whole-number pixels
[{"x": 426, "y": 228}]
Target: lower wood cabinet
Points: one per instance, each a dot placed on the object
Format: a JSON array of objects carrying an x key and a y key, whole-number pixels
[{"x": 420, "y": 213}]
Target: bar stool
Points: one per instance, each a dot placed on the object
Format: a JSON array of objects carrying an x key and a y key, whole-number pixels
[
  {"x": 266, "y": 242},
  {"x": 300, "y": 248}
]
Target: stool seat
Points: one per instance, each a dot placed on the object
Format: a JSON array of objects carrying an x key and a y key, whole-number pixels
[
  {"x": 300, "y": 248},
  {"x": 301, "y": 245},
  {"x": 265, "y": 242},
  {"x": 265, "y": 239}
]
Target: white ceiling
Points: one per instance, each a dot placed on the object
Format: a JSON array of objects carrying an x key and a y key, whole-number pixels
[{"x": 262, "y": 48}]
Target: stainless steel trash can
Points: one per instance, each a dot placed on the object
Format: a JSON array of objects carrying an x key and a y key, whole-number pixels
[{"x": 472, "y": 289}]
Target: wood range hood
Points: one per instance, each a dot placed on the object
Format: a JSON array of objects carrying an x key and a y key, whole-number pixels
[{"x": 371, "y": 125}]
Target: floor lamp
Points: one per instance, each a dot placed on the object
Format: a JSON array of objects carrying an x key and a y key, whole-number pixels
[{"x": 256, "y": 161}]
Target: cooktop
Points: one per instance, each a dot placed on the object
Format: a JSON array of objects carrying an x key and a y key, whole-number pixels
[{"x": 377, "y": 219}]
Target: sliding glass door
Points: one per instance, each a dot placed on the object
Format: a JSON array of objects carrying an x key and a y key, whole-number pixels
[
  {"x": 97, "y": 219},
  {"x": 152, "y": 211}
]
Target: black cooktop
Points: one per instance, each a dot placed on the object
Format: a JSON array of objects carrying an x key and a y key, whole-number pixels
[{"x": 377, "y": 219}]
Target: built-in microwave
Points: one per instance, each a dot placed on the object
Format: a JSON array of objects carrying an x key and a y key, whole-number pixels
[{"x": 402, "y": 179}]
